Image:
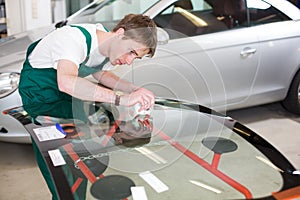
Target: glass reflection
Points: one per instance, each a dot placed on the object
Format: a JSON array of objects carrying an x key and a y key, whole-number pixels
[{"x": 86, "y": 120}]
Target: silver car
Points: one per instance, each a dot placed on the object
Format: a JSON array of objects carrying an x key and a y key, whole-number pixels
[{"x": 224, "y": 54}]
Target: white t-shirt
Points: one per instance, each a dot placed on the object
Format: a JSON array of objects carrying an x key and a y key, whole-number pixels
[{"x": 67, "y": 43}]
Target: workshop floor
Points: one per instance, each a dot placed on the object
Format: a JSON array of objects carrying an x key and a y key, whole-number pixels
[{"x": 21, "y": 179}]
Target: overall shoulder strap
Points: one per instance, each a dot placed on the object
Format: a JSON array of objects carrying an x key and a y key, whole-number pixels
[
  {"x": 83, "y": 69},
  {"x": 88, "y": 38}
]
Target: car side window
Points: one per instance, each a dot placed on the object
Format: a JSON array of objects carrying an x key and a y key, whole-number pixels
[
  {"x": 197, "y": 17},
  {"x": 261, "y": 12}
]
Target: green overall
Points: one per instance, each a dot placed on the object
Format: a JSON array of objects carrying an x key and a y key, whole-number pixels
[{"x": 40, "y": 86}]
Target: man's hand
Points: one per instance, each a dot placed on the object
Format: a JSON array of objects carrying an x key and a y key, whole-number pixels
[
  {"x": 142, "y": 96},
  {"x": 138, "y": 127}
]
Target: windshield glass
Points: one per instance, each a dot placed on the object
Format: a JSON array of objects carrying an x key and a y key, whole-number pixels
[
  {"x": 110, "y": 12},
  {"x": 211, "y": 156}
]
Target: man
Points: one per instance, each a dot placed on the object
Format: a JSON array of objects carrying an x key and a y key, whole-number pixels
[{"x": 56, "y": 65}]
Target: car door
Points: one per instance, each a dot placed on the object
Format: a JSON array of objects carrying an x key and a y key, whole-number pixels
[
  {"x": 211, "y": 58},
  {"x": 278, "y": 27}
]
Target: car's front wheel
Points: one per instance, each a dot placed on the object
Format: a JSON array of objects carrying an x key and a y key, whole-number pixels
[{"x": 292, "y": 100}]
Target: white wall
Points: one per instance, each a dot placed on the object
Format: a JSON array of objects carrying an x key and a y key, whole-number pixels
[
  {"x": 23, "y": 15},
  {"x": 58, "y": 10},
  {"x": 13, "y": 16},
  {"x": 37, "y": 13}
]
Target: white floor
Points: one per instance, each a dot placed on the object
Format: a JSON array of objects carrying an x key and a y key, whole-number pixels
[{"x": 21, "y": 179}]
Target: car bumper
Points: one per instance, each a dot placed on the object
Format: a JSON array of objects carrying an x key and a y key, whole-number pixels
[{"x": 12, "y": 130}]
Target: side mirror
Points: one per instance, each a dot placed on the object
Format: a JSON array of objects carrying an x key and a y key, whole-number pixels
[
  {"x": 162, "y": 36},
  {"x": 61, "y": 24}
]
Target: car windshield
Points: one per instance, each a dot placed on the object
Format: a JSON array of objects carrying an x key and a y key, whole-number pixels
[
  {"x": 109, "y": 12},
  {"x": 176, "y": 140}
]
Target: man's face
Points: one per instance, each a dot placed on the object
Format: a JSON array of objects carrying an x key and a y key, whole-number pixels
[{"x": 124, "y": 52}]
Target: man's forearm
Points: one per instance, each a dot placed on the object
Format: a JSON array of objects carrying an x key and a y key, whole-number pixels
[
  {"x": 85, "y": 90},
  {"x": 113, "y": 81}
]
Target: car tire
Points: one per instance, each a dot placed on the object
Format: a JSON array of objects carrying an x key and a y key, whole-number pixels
[{"x": 292, "y": 100}]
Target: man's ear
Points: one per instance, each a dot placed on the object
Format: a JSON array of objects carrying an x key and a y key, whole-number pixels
[{"x": 120, "y": 31}]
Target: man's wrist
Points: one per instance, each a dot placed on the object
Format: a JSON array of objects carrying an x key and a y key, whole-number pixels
[
  {"x": 118, "y": 96},
  {"x": 135, "y": 88}
]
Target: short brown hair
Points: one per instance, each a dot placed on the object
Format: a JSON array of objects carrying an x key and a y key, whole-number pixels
[{"x": 141, "y": 29}]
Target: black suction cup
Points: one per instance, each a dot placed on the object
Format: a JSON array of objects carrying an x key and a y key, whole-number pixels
[
  {"x": 113, "y": 187},
  {"x": 219, "y": 145}
]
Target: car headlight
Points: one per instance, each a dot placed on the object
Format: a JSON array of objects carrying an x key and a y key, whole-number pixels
[{"x": 9, "y": 82}]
